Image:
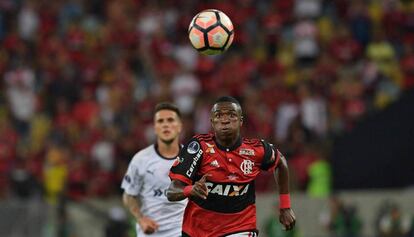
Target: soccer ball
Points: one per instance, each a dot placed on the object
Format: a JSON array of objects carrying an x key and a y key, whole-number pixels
[{"x": 211, "y": 32}]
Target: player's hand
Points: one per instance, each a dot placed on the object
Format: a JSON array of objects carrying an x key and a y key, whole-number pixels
[
  {"x": 287, "y": 218},
  {"x": 199, "y": 188},
  {"x": 147, "y": 225}
]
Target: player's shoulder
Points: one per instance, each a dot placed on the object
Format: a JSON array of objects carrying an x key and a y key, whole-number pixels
[
  {"x": 143, "y": 155},
  {"x": 254, "y": 142},
  {"x": 207, "y": 137}
]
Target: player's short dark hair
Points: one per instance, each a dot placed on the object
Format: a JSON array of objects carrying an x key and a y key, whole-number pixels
[
  {"x": 227, "y": 99},
  {"x": 167, "y": 106}
]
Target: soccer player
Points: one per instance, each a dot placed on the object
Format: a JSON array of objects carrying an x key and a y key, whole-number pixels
[
  {"x": 146, "y": 179},
  {"x": 216, "y": 172}
]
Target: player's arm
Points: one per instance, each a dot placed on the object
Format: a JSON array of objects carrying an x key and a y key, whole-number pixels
[
  {"x": 131, "y": 202},
  {"x": 183, "y": 174},
  {"x": 287, "y": 216},
  {"x": 179, "y": 190},
  {"x": 131, "y": 184},
  {"x": 274, "y": 160}
]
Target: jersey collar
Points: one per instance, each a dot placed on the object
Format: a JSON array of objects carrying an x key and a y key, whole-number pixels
[
  {"x": 159, "y": 154},
  {"x": 231, "y": 148}
]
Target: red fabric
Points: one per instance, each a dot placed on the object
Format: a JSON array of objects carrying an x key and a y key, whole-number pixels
[
  {"x": 407, "y": 66},
  {"x": 284, "y": 201},
  {"x": 85, "y": 111},
  {"x": 180, "y": 177},
  {"x": 187, "y": 190},
  {"x": 345, "y": 49},
  {"x": 203, "y": 223},
  {"x": 238, "y": 167}
]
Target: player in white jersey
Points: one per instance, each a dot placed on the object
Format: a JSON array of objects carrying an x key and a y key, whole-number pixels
[{"x": 146, "y": 179}]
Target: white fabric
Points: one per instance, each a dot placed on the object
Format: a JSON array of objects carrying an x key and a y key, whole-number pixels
[
  {"x": 243, "y": 234},
  {"x": 184, "y": 88},
  {"x": 147, "y": 178},
  {"x": 314, "y": 114},
  {"x": 286, "y": 113},
  {"x": 22, "y": 103},
  {"x": 104, "y": 153},
  {"x": 308, "y": 8},
  {"x": 28, "y": 22}
]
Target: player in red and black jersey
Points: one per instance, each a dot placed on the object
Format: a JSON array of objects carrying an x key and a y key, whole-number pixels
[{"x": 217, "y": 173}]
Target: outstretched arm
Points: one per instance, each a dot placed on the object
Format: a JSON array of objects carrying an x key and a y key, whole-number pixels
[
  {"x": 148, "y": 225},
  {"x": 287, "y": 216},
  {"x": 179, "y": 190},
  {"x": 175, "y": 191}
]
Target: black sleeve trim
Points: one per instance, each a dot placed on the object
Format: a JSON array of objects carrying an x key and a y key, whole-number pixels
[
  {"x": 269, "y": 156},
  {"x": 189, "y": 160}
]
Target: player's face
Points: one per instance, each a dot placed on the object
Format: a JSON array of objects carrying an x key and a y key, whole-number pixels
[
  {"x": 226, "y": 120},
  {"x": 167, "y": 126}
]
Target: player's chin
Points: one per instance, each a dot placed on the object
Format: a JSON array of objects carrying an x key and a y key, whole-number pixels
[
  {"x": 225, "y": 135},
  {"x": 226, "y": 132},
  {"x": 167, "y": 140}
]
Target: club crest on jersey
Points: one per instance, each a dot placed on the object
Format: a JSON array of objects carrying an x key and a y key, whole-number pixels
[
  {"x": 210, "y": 148},
  {"x": 193, "y": 147},
  {"x": 247, "y": 166}
]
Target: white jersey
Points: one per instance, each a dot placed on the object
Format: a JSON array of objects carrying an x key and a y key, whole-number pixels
[{"x": 147, "y": 178}]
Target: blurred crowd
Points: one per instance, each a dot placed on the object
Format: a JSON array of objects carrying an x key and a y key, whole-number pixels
[
  {"x": 343, "y": 219},
  {"x": 80, "y": 80}
]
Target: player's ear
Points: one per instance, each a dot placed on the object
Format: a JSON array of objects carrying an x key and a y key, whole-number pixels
[
  {"x": 180, "y": 122},
  {"x": 241, "y": 119}
]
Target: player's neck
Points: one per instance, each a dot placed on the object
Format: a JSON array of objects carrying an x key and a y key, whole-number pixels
[
  {"x": 168, "y": 150},
  {"x": 230, "y": 142}
]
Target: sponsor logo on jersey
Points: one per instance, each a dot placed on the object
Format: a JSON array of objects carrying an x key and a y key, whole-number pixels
[
  {"x": 210, "y": 148},
  {"x": 232, "y": 177},
  {"x": 158, "y": 192},
  {"x": 247, "y": 166},
  {"x": 247, "y": 152},
  {"x": 228, "y": 190},
  {"x": 193, "y": 147},
  {"x": 215, "y": 163},
  {"x": 194, "y": 163}
]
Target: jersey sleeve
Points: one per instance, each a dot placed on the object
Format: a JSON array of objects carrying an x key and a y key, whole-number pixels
[
  {"x": 132, "y": 181},
  {"x": 188, "y": 162},
  {"x": 271, "y": 156}
]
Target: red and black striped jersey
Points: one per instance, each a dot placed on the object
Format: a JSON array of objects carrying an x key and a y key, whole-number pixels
[{"x": 230, "y": 205}]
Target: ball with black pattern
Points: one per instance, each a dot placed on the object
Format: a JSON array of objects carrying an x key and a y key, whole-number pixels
[{"x": 211, "y": 32}]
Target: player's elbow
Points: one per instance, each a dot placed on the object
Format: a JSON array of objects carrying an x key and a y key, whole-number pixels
[
  {"x": 173, "y": 192},
  {"x": 283, "y": 165},
  {"x": 126, "y": 199},
  {"x": 169, "y": 195}
]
